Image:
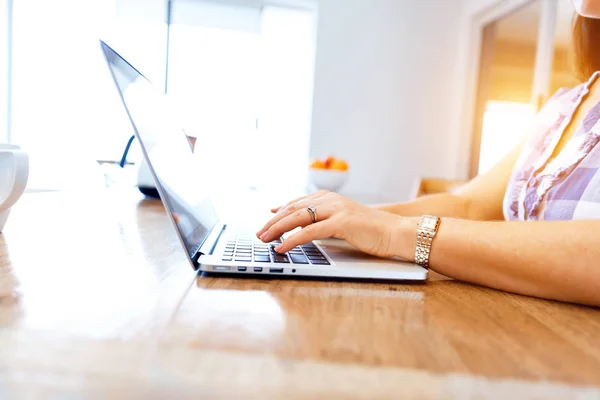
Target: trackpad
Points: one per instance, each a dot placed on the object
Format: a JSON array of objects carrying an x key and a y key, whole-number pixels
[{"x": 341, "y": 251}]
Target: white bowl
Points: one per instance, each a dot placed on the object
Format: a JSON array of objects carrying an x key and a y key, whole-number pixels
[{"x": 328, "y": 179}]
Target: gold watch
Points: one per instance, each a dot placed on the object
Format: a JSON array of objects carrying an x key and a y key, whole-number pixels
[{"x": 426, "y": 231}]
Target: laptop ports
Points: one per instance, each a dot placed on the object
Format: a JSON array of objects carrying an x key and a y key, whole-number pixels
[{"x": 276, "y": 270}]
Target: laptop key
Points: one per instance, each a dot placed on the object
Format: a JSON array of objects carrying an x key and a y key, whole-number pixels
[
  {"x": 273, "y": 249},
  {"x": 262, "y": 259},
  {"x": 226, "y": 259},
  {"x": 315, "y": 255},
  {"x": 311, "y": 257},
  {"x": 320, "y": 262},
  {"x": 299, "y": 259},
  {"x": 280, "y": 258}
]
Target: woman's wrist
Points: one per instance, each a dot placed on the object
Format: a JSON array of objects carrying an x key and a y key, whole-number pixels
[
  {"x": 389, "y": 208},
  {"x": 404, "y": 237}
]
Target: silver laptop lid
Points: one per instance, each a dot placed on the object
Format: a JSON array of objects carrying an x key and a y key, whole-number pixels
[{"x": 168, "y": 153}]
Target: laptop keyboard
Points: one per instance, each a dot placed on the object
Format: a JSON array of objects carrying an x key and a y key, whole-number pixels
[{"x": 244, "y": 249}]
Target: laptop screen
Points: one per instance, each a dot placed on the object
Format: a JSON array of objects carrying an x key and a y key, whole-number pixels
[{"x": 167, "y": 151}]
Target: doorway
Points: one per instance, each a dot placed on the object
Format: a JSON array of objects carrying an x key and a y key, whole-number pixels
[{"x": 524, "y": 59}]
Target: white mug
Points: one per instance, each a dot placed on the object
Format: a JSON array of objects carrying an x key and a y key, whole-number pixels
[{"x": 14, "y": 171}]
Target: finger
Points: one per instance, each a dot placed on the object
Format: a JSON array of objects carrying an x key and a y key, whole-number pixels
[
  {"x": 316, "y": 194},
  {"x": 297, "y": 199},
  {"x": 289, "y": 209},
  {"x": 299, "y": 218},
  {"x": 320, "y": 230},
  {"x": 298, "y": 207},
  {"x": 284, "y": 212}
]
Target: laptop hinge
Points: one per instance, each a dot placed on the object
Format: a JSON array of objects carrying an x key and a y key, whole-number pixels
[
  {"x": 195, "y": 258},
  {"x": 210, "y": 243}
]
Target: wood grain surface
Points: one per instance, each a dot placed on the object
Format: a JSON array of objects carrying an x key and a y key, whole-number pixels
[{"x": 98, "y": 301}]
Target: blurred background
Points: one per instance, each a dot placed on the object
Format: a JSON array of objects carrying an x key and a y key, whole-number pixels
[{"x": 402, "y": 90}]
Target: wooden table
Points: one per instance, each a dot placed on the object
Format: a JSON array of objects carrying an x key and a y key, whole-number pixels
[{"x": 97, "y": 301}]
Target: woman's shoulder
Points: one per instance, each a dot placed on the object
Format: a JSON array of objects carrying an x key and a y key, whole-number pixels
[
  {"x": 560, "y": 104},
  {"x": 569, "y": 94},
  {"x": 572, "y": 94}
]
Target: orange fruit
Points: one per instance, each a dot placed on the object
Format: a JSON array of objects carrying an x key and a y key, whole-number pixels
[
  {"x": 339, "y": 165},
  {"x": 328, "y": 161},
  {"x": 318, "y": 164}
]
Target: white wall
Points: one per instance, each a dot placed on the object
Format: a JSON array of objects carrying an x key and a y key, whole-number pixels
[
  {"x": 475, "y": 6},
  {"x": 386, "y": 96}
]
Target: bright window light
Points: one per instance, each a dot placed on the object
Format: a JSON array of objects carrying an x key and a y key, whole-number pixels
[
  {"x": 504, "y": 124},
  {"x": 66, "y": 111},
  {"x": 245, "y": 91}
]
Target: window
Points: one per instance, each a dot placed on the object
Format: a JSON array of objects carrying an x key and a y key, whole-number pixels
[
  {"x": 66, "y": 111},
  {"x": 243, "y": 79},
  {"x": 242, "y": 76}
]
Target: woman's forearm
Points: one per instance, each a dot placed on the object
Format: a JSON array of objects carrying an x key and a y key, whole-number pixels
[
  {"x": 444, "y": 205},
  {"x": 479, "y": 199},
  {"x": 555, "y": 260}
]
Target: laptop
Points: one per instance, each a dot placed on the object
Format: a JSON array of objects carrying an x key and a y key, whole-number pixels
[{"x": 212, "y": 244}]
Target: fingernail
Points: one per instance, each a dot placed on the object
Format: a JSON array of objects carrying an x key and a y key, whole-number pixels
[
  {"x": 278, "y": 248},
  {"x": 263, "y": 236}
]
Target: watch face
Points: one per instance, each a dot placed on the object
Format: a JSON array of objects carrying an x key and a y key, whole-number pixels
[{"x": 428, "y": 222}]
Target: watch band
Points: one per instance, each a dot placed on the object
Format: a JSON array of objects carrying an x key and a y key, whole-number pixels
[{"x": 426, "y": 231}]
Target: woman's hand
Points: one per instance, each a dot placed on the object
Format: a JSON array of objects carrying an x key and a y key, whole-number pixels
[{"x": 368, "y": 229}]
